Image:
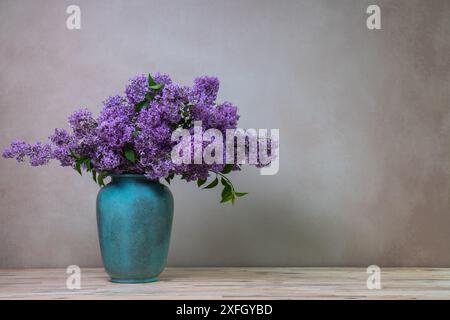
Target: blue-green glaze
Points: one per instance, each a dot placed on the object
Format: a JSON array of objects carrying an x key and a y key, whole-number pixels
[{"x": 134, "y": 218}]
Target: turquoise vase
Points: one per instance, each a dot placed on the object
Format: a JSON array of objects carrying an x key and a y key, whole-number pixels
[{"x": 134, "y": 218}]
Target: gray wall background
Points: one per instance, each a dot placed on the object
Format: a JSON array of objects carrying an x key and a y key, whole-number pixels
[{"x": 363, "y": 115}]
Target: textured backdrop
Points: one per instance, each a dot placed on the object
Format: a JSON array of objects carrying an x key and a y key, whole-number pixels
[{"x": 363, "y": 115}]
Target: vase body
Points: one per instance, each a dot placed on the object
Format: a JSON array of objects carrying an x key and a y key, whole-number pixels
[{"x": 134, "y": 219}]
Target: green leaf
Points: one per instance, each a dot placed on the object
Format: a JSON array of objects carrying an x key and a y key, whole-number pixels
[
  {"x": 227, "y": 198},
  {"x": 169, "y": 178},
  {"x": 88, "y": 164},
  {"x": 78, "y": 167},
  {"x": 100, "y": 178},
  {"x": 156, "y": 87},
  {"x": 74, "y": 154},
  {"x": 212, "y": 184},
  {"x": 225, "y": 182},
  {"x": 140, "y": 105},
  {"x": 226, "y": 191},
  {"x": 151, "y": 96},
  {"x": 151, "y": 82},
  {"x": 130, "y": 155},
  {"x": 227, "y": 168},
  {"x": 240, "y": 194},
  {"x": 94, "y": 176},
  {"x": 200, "y": 182}
]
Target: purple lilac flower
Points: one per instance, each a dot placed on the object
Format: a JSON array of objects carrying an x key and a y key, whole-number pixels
[
  {"x": 159, "y": 169},
  {"x": 102, "y": 140},
  {"x": 62, "y": 154},
  {"x": 114, "y": 133},
  {"x": 170, "y": 102},
  {"x": 82, "y": 123},
  {"x": 149, "y": 118},
  {"x": 225, "y": 117},
  {"x": 63, "y": 142},
  {"x": 40, "y": 154},
  {"x": 205, "y": 89},
  {"x": 106, "y": 159},
  {"x": 162, "y": 78},
  {"x": 116, "y": 107},
  {"x": 161, "y": 135},
  {"x": 19, "y": 150},
  {"x": 61, "y": 138},
  {"x": 136, "y": 89}
]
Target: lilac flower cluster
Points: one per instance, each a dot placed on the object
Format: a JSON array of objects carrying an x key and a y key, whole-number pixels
[
  {"x": 132, "y": 133},
  {"x": 38, "y": 153}
]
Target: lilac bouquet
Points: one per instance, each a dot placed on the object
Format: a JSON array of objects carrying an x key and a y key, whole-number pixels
[{"x": 133, "y": 134}]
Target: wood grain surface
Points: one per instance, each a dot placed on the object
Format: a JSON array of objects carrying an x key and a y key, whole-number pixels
[{"x": 232, "y": 283}]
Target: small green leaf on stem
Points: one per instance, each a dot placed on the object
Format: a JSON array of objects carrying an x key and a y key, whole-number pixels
[
  {"x": 226, "y": 191},
  {"x": 88, "y": 164},
  {"x": 227, "y": 198},
  {"x": 100, "y": 177},
  {"x": 200, "y": 182},
  {"x": 169, "y": 178},
  {"x": 226, "y": 183},
  {"x": 78, "y": 167},
  {"x": 156, "y": 87},
  {"x": 140, "y": 105},
  {"x": 227, "y": 169},
  {"x": 151, "y": 82},
  {"x": 240, "y": 194},
  {"x": 130, "y": 155},
  {"x": 74, "y": 154},
  {"x": 212, "y": 184}
]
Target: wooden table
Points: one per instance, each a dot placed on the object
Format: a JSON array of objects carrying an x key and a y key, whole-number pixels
[{"x": 232, "y": 283}]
